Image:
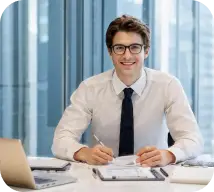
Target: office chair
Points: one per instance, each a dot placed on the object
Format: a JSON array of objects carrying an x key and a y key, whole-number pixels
[{"x": 170, "y": 140}]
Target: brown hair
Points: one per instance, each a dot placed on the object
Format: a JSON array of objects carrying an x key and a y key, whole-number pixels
[{"x": 128, "y": 23}]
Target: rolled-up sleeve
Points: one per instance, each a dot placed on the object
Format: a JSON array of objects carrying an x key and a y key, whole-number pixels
[
  {"x": 182, "y": 123},
  {"x": 72, "y": 125}
]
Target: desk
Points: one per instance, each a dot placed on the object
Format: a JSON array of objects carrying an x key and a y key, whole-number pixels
[{"x": 87, "y": 183}]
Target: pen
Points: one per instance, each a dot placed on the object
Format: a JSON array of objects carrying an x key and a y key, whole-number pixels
[
  {"x": 164, "y": 172},
  {"x": 100, "y": 142},
  {"x": 94, "y": 173}
]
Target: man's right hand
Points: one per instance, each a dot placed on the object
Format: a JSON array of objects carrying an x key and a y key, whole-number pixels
[{"x": 98, "y": 155}]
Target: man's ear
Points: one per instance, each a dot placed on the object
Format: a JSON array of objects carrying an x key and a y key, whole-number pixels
[
  {"x": 146, "y": 53},
  {"x": 109, "y": 52}
]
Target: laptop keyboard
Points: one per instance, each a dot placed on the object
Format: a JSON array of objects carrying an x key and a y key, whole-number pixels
[{"x": 40, "y": 180}]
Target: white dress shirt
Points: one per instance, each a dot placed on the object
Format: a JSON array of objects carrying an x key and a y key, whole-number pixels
[{"x": 159, "y": 105}]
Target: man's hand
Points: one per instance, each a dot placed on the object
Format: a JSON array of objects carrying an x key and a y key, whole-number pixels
[
  {"x": 151, "y": 157},
  {"x": 98, "y": 155}
]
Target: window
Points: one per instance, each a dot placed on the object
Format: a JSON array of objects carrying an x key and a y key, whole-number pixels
[
  {"x": 31, "y": 75},
  {"x": 183, "y": 38},
  {"x": 130, "y": 7},
  {"x": 206, "y": 76}
]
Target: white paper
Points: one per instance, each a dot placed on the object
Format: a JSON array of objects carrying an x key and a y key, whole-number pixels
[
  {"x": 129, "y": 160},
  {"x": 125, "y": 167},
  {"x": 125, "y": 172}
]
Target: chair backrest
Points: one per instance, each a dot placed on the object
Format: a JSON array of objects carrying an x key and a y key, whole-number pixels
[{"x": 170, "y": 140}]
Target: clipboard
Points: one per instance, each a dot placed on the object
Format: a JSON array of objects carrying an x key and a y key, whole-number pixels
[{"x": 128, "y": 174}]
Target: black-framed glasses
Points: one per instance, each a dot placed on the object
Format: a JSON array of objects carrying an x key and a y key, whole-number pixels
[{"x": 120, "y": 49}]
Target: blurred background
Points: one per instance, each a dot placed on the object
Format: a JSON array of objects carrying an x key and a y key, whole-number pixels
[{"x": 47, "y": 47}]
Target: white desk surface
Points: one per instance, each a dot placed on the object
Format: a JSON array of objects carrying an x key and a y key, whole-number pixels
[{"x": 87, "y": 183}]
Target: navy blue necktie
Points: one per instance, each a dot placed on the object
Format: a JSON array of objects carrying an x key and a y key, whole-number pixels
[{"x": 126, "y": 145}]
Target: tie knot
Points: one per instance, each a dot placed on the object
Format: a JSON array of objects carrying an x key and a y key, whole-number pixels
[{"x": 128, "y": 92}]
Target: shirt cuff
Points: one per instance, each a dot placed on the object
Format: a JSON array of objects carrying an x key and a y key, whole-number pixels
[
  {"x": 70, "y": 152},
  {"x": 178, "y": 153}
]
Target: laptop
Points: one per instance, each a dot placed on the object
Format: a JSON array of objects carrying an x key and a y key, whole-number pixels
[
  {"x": 15, "y": 169},
  {"x": 48, "y": 164}
]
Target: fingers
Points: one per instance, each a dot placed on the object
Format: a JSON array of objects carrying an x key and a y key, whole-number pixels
[
  {"x": 146, "y": 150},
  {"x": 108, "y": 152},
  {"x": 99, "y": 160},
  {"x": 101, "y": 155},
  {"x": 153, "y": 161},
  {"x": 148, "y": 155},
  {"x": 152, "y": 164}
]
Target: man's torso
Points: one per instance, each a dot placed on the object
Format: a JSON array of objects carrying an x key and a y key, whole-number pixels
[{"x": 148, "y": 110}]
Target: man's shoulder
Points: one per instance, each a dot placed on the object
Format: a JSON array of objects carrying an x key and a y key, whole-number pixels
[
  {"x": 99, "y": 79},
  {"x": 158, "y": 76}
]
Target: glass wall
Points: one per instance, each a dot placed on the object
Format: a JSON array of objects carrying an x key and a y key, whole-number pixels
[
  {"x": 206, "y": 76},
  {"x": 47, "y": 47},
  {"x": 130, "y": 7},
  {"x": 184, "y": 40},
  {"x": 31, "y": 75}
]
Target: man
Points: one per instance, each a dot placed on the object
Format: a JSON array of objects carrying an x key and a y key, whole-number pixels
[{"x": 127, "y": 106}]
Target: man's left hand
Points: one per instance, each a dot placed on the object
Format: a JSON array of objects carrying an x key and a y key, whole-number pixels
[{"x": 151, "y": 157}]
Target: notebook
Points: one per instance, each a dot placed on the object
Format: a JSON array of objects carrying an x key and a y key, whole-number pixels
[{"x": 192, "y": 175}]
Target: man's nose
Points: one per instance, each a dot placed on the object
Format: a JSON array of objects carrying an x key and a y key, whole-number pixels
[{"x": 127, "y": 53}]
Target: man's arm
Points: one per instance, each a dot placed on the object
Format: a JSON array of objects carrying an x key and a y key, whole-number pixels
[
  {"x": 72, "y": 125},
  {"x": 181, "y": 123}
]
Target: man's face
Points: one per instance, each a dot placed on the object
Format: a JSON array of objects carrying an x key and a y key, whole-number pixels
[{"x": 128, "y": 64}]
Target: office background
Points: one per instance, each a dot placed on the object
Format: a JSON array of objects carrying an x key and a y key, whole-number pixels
[{"x": 47, "y": 47}]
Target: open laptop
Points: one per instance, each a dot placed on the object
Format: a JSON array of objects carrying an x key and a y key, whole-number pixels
[{"x": 16, "y": 171}]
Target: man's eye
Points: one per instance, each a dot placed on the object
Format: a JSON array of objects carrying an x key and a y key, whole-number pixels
[
  {"x": 119, "y": 48},
  {"x": 135, "y": 47}
]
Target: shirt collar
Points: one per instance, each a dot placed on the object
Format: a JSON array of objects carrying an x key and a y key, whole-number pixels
[{"x": 138, "y": 86}]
